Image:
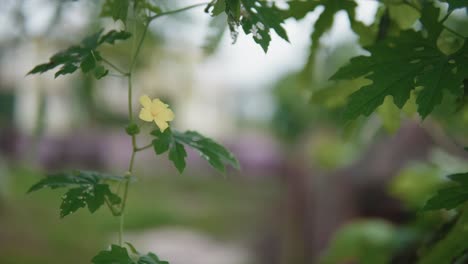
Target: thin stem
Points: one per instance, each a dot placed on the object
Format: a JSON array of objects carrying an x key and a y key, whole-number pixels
[
  {"x": 114, "y": 67},
  {"x": 446, "y": 16},
  {"x": 135, "y": 149},
  {"x": 140, "y": 43},
  {"x": 177, "y": 10},
  {"x": 144, "y": 147}
]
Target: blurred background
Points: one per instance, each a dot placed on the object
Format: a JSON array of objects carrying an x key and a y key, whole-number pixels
[{"x": 312, "y": 189}]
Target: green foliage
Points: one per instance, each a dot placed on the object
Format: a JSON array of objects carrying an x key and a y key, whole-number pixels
[
  {"x": 256, "y": 17},
  {"x": 450, "y": 197},
  {"x": 86, "y": 188},
  {"x": 84, "y": 56},
  {"x": 454, "y": 4},
  {"x": 401, "y": 64},
  {"x": 120, "y": 255},
  {"x": 216, "y": 155}
]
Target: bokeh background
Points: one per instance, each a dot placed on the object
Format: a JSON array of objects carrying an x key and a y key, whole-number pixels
[{"x": 312, "y": 188}]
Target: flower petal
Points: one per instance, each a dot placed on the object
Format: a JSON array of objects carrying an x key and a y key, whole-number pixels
[
  {"x": 157, "y": 105},
  {"x": 145, "y": 115},
  {"x": 161, "y": 124},
  {"x": 145, "y": 101},
  {"x": 166, "y": 115}
]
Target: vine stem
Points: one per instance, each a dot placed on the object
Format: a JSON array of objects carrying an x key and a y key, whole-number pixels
[{"x": 135, "y": 148}]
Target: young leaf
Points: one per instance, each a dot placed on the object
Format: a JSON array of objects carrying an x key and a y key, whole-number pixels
[
  {"x": 116, "y": 255},
  {"x": 397, "y": 66}
]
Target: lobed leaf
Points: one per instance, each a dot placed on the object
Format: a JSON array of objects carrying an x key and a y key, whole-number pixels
[
  {"x": 85, "y": 56},
  {"x": 216, "y": 155},
  {"x": 86, "y": 189},
  {"x": 399, "y": 65}
]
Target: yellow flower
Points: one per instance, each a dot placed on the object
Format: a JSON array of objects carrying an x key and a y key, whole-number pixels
[{"x": 156, "y": 111}]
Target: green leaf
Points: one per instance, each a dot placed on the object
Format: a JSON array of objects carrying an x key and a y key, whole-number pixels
[
  {"x": 66, "y": 69},
  {"x": 174, "y": 141},
  {"x": 68, "y": 179},
  {"x": 89, "y": 195},
  {"x": 177, "y": 154},
  {"x": 116, "y": 255},
  {"x": 450, "y": 197},
  {"x": 298, "y": 9},
  {"x": 259, "y": 19},
  {"x": 86, "y": 189},
  {"x": 447, "y": 198},
  {"x": 112, "y": 36},
  {"x": 88, "y": 63},
  {"x": 151, "y": 258},
  {"x": 216, "y": 7},
  {"x": 162, "y": 141},
  {"x": 430, "y": 20},
  {"x": 84, "y": 56},
  {"x": 397, "y": 66},
  {"x": 461, "y": 178},
  {"x": 100, "y": 72},
  {"x": 117, "y": 9},
  {"x": 454, "y": 4},
  {"x": 214, "y": 153}
]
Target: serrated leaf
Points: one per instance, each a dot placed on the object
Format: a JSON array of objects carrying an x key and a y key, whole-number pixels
[
  {"x": 92, "y": 196},
  {"x": 84, "y": 56},
  {"x": 214, "y": 153},
  {"x": 259, "y": 19},
  {"x": 86, "y": 189},
  {"x": 68, "y": 179},
  {"x": 116, "y": 255},
  {"x": 117, "y": 9},
  {"x": 396, "y": 67},
  {"x": 112, "y": 36},
  {"x": 177, "y": 155},
  {"x": 66, "y": 69},
  {"x": 174, "y": 141}
]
